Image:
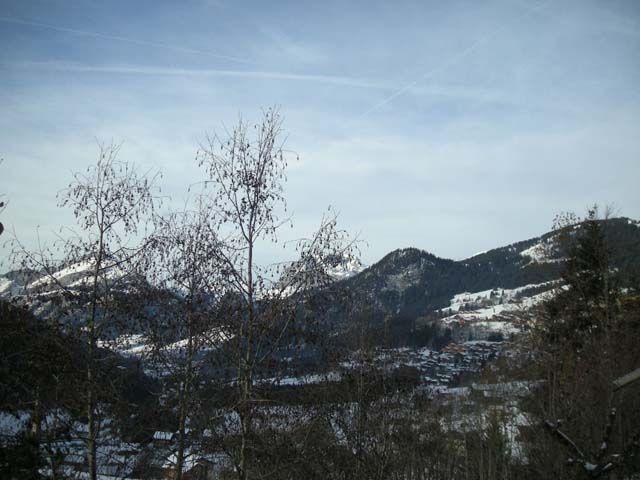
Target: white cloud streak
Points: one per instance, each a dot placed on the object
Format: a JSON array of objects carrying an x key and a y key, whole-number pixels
[
  {"x": 163, "y": 71},
  {"x": 452, "y": 60},
  {"x": 134, "y": 41}
]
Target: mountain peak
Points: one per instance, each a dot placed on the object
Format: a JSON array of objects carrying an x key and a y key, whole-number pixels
[{"x": 413, "y": 282}]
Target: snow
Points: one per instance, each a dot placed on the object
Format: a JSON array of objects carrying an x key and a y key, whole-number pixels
[
  {"x": 408, "y": 277},
  {"x": 293, "y": 278},
  {"x": 456, "y": 391},
  {"x": 77, "y": 275},
  {"x": 512, "y": 389},
  {"x": 64, "y": 276},
  {"x": 343, "y": 271},
  {"x": 536, "y": 253},
  {"x": 489, "y": 309},
  {"x": 6, "y": 286},
  {"x": 134, "y": 345},
  {"x": 138, "y": 345},
  {"x": 488, "y": 303},
  {"x": 502, "y": 327},
  {"x": 541, "y": 252},
  {"x": 189, "y": 461},
  {"x": 304, "y": 379},
  {"x": 210, "y": 338},
  {"x": 461, "y": 300},
  {"x": 511, "y": 419},
  {"x": 11, "y": 424}
]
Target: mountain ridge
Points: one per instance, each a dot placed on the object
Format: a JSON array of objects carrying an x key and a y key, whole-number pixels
[{"x": 410, "y": 282}]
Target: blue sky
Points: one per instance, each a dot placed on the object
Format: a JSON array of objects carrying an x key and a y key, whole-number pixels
[{"x": 451, "y": 126}]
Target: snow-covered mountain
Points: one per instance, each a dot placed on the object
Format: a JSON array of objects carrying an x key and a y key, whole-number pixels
[
  {"x": 411, "y": 283},
  {"x": 70, "y": 277},
  {"x": 316, "y": 272},
  {"x": 60, "y": 294}
]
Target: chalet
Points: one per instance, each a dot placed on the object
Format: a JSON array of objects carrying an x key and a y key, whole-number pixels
[{"x": 162, "y": 438}]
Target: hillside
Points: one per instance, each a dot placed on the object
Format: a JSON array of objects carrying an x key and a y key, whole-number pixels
[{"x": 409, "y": 283}]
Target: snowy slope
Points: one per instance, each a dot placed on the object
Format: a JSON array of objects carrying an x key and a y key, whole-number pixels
[{"x": 493, "y": 310}]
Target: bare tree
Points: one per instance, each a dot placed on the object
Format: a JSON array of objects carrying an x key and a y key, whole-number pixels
[
  {"x": 246, "y": 173},
  {"x": 83, "y": 274},
  {"x": 180, "y": 264}
]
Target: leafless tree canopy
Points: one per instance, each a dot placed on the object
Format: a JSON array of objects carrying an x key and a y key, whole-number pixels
[
  {"x": 109, "y": 201},
  {"x": 224, "y": 342}
]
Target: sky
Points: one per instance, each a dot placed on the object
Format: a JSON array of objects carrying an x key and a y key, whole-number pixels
[{"x": 453, "y": 127}]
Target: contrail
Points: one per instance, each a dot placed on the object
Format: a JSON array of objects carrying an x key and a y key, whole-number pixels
[
  {"x": 134, "y": 41},
  {"x": 425, "y": 76},
  {"x": 162, "y": 71},
  {"x": 452, "y": 60}
]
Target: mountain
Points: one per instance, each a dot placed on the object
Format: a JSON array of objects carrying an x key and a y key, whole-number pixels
[
  {"x": 410, "y": 283},
  {"x": 64, "y": 295}
]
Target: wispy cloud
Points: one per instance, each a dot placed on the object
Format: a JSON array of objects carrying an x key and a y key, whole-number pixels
[
  {"x": 432, "y": 90},
  {"x": 165, "y": 71},
  {"x": 280, "y": 45},
  {"x": 480, "y": 113},
  {"x": 134, "y": 41},
  {"x": 448, "y": 62},
  {"x": 431, "y": 73}
]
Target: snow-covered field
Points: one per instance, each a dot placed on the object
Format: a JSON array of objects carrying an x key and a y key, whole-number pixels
[{"x": 493, "y": 309}]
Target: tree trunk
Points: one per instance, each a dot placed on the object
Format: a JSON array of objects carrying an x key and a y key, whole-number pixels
[
  {"x": 91, "y": 420},
  {"x": 246, "y": 372},
  {"x": 35, "y": 430},
  {"x": 181, "y": 442},
  {"x": 185, "y": 394}
]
